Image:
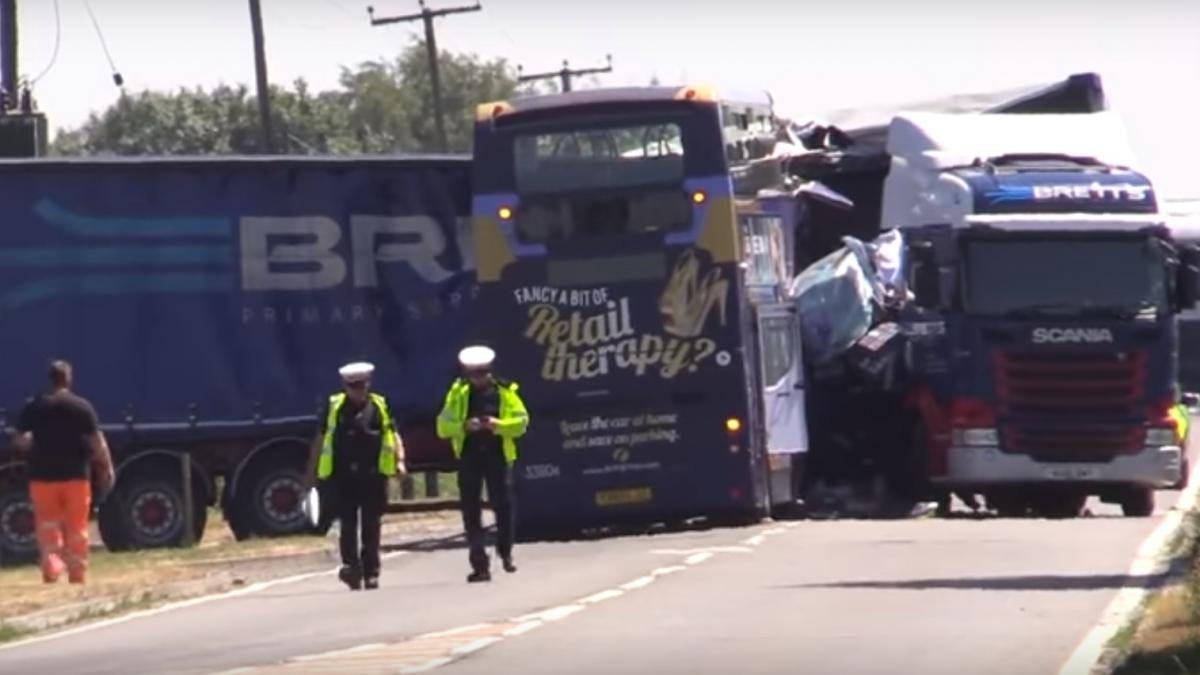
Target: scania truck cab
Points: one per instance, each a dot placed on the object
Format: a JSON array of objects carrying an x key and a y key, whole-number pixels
[{"x": 1044, "y": 337}]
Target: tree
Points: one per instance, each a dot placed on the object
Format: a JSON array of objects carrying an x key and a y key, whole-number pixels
[{"x": 379, "y": 107}]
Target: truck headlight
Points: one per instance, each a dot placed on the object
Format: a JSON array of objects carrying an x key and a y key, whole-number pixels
[
  {"x": 1159, "y": 436},
  {"x": 976, "y": 437}
]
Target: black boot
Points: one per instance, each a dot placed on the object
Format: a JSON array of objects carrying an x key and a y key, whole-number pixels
[
  {"x": 372, "y": 583},
  {"x": 351, "y": 577},
  {"x": 478, "y": 576},
  {"x": 508, "y": 564}
]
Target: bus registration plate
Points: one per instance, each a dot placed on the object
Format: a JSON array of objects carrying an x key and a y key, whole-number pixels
[{"x": 640, "y": 495}]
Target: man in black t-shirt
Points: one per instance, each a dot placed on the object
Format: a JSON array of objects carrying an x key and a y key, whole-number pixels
[{"x": 59, "y": 433}]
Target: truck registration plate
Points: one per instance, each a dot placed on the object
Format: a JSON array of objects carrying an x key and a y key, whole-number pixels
[{"x": 1072, "y": 473}]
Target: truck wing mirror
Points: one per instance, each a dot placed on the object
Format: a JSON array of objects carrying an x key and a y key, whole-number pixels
[
  {"x": 1187, "y": 281},
  {"x": 926, "y": 278}
]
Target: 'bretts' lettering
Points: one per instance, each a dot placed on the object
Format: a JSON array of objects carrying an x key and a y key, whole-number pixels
[
  {"x": 1127, "y": 191},
  {"x": 1072, "y": 335}
]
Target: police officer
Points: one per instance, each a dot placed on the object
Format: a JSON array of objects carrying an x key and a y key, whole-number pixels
[
  {"x": 356, "y": 451},
  {"x": 482, "y": 418}
]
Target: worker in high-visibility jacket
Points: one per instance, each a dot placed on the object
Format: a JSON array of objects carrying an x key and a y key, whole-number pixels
[
  {"x": 356, "y": 451},
  {"x": 482, "y": 418}
]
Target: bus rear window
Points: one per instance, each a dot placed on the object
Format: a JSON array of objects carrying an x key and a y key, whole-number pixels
[
  {"x": 607, "y": 213},
  {"x": 599, "y": 158}
]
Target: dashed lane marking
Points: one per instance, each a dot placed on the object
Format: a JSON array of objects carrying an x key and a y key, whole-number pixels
[{"x": 431, "y": 651}]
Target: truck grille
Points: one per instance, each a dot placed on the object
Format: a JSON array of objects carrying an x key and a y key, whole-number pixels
[{"x": 1070, "y": 406}]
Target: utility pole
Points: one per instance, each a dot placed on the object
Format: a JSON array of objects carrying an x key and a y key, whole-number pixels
[
  {"x": 435, "y": 83},
  {"x": 565, "y": 74},
  {"x": 260, "y": 72},
  {"x": 8, "y": 54}
]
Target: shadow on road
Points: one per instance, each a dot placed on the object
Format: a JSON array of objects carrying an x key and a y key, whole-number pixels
[
  {"x": 1043, "y": 582},
  {"x": 448, "y": 543}
]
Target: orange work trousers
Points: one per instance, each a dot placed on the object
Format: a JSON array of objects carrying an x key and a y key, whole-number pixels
[{"x": 61, "y": 509}]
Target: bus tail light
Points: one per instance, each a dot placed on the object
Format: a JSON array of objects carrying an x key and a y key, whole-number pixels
[
  {"x": 699, "y": 197},
  {"x": 505, "y": 212},
  {"x": 733, "y": 425}
]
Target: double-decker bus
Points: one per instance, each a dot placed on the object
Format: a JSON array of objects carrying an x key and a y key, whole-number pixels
[{"x": 638, "y": 300}]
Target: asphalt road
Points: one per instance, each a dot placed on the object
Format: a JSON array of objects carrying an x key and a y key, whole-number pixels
[{"x": 928, "y": 596}]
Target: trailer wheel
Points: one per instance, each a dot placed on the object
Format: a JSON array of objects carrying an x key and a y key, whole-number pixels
[
  {"x": 111, "y": 521},
  {"x": 18, "y": 529},
  {"x": 234, "y": 518},
  {"x": 151, "y": 500},
  {"x": 1138, "y": 502},
  {"x": 270, "y": 496}
]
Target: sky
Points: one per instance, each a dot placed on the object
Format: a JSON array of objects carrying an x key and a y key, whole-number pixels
[{"x": 814, "y": 56}]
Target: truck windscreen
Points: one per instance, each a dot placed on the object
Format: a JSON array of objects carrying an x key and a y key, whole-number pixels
[{"x": 1064, "y": 276}]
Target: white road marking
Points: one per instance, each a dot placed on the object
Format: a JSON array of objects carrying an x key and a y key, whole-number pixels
[
  {"x": 1153, "y": 557},
  {"x": 708, "y": 549},
  {"x": 529, "y": 622},
  {"x": 521, "y": 629},
  {"x": 602, "y": 596},
  {"x": 472, "y": 647},
  {"x": 557, "y": 613},
  {"x": 774, "y": 530},
  {"x": 640, "y": 582},
  {"x": 755, "y": 540},
  {"x": 182, "y": 604},
  {"x": 453, "y": 631}
]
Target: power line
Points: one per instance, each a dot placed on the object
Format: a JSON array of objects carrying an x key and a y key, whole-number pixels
[
  {"x": 427, "y": 16},
  {"x": 565, "y": 74},
  {"x": 117, "y": 78},
  {"x": 57, "y": 43},
  {"x": 340, "y": 7}
]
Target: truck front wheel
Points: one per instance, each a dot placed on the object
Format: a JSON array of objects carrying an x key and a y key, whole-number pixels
[
  {"x": 1138, "y": 502},
  {"x": 1058, "y": 505}
]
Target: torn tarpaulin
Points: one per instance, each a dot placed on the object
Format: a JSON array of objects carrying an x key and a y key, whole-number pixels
[{"x": 839, "y": 297}]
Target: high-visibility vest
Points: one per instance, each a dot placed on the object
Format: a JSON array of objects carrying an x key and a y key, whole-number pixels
[
  {"x": 1182, "y": 418},
  {"x": 387, "y": 449},
  {"x": 514, "y": 419}
]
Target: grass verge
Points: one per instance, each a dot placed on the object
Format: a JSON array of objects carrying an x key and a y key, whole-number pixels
[{"x": 1167, "y": 640}]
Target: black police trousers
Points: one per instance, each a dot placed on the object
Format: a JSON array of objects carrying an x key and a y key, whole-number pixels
[
  {"x": 361, "y": 500},
  {"x": 484, "y": 464}
]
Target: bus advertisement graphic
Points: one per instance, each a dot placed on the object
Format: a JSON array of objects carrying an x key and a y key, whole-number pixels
[{"x": 587, "y": 334}]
